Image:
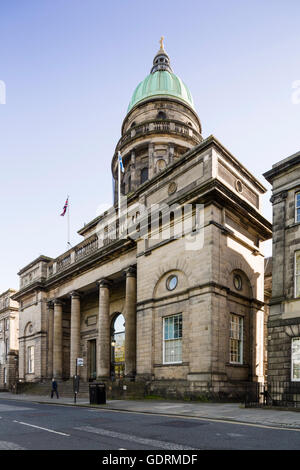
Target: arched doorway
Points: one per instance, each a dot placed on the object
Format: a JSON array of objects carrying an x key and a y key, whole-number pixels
[{"x": 118, "y": 347}]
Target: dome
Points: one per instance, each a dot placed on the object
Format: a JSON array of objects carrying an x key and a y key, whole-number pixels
[{"x": 161, "y": 83}]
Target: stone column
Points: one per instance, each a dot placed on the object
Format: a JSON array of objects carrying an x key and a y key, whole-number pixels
[
  {"x": 75, "y": 332},
  {"x": 130, "y": 322},
  {"x": 103, "y": 341},
  {"x": 134, "y": 181},
  {"x": 57, "y": 340},
  {"x": 50, "y": 312},
  {"x": 151, "y": 160}
]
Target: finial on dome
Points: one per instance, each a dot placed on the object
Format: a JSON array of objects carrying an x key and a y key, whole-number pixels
[
  {"x": 162, "y": 43},
  {"x": 161, "y": 60}
]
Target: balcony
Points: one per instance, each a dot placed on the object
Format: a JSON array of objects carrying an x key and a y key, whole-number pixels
[{"x": 160, "y": 126}]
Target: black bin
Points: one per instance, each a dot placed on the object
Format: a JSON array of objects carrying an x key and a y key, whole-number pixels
[{"x": 97, "y": 394}]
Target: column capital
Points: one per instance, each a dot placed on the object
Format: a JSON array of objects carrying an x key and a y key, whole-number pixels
[
  {"x": 130, "y": 271},
  {"x": 75, "y": 295},
  {"x": 104, "y": 283},
  {"x": 57, "y": 302}
]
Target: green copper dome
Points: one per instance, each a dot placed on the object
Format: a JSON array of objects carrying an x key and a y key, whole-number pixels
[{"x": 161, "y": 83}]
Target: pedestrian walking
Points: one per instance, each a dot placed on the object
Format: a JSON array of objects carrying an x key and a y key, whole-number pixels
[{"x": 54, "y": 388}]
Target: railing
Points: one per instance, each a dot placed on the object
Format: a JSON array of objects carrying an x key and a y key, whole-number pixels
[
  {"x": 283, "y": 394},
  {"x": 63, "y": 263},
  {"x": 86, "y": 249},
  {"x": 160, "y": 126}
]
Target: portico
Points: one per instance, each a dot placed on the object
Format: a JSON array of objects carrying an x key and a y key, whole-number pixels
[{"x": 69, "y": 307}]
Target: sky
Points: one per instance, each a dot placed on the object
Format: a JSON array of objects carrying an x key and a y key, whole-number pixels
[{"x": 70, "y": 67}]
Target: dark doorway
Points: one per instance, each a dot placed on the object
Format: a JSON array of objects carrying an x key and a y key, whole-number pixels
[{"x": 92, "y": 372}]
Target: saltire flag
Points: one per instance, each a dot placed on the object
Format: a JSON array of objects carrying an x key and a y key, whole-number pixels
[
  {"x": 121, "y": 162},
  {"x": 65, "y": 207}
]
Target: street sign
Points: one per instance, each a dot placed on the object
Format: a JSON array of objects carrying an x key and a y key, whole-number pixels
[{"x": 79, "y": 361}]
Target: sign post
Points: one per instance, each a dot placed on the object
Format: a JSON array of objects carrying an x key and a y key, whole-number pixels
[{"x": 76, "y": 378}]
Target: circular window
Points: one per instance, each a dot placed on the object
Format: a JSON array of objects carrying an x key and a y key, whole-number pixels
[
  {"x": 237, "y": 281},
  {"x": 239, "y": 186},
  {"x": 172, "y": 282}
]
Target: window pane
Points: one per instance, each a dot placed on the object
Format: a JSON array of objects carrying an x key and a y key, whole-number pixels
[
  {"x": 172, "y": 339},
  {"x": 171, "y": 328},
  {"x": 296, "y": 358},
  {"x": 297, "y": 262},
  {"x": 236, "y": 339},
  {"x": 173, "y": 350},
  {"x": 297, "y": 293}
]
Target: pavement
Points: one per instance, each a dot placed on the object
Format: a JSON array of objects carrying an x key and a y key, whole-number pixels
[{"x": 229, "y": 412}]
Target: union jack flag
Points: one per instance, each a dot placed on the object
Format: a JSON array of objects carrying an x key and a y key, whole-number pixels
[{"x": 65, "y": 207}]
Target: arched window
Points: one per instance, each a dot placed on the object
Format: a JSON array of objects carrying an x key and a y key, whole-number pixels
[
  {"x": 144, "y": 175},
  {"x": 161, "y": 115},
  {"x": 118, "y": 346}
]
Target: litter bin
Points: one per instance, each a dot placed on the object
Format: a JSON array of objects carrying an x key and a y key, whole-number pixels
[{"x": 97, "y": 394}]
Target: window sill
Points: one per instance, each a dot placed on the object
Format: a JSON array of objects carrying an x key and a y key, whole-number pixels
[
  {"x": 236, "y": 364},
  {"x": 172, "y": 364}
]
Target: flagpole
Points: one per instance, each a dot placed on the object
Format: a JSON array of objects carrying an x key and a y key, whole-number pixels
[
  {"x": 68, "y": 240},
  {"x": 119, "y": 190}
]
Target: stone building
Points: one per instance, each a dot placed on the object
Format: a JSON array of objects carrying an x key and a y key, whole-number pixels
[
  {"x": 9, "y": 332},
  {"x": 284, "y": 317},
  {"x": 171, "y": 311}
]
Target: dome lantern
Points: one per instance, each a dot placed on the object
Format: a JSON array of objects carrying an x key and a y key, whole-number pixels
[{"x": 161, "y": 61}]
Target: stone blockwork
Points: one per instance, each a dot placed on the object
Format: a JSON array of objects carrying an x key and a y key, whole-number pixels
[
  {"x": 9, "y": 333},
  {"x": 284, "y": 317}
]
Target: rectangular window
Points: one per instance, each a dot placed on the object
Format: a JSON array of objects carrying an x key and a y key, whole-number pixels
[
  {"x": 295, "y": 359},
  {"x": 297, "y": 274},
  {"x": 30, "y": 359},
  {"x": 6, "y": 322},
  {"x": 236, "y": 339},
  {"x": 172, "y": 352},
  {"x": 297, "y": 207},
  {"x": 6, "y": 348}
]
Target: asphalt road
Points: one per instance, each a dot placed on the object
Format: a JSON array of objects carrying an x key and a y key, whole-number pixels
[{"x": 32, "y": 426}]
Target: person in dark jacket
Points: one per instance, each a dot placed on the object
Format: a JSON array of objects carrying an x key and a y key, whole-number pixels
[{"x": 54, "y": 388}]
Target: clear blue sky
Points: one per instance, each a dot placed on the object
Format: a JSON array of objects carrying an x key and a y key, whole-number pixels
[{"x": 70, "y": 67}]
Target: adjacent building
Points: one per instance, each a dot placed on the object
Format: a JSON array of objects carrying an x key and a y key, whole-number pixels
[
  {"x": 176, "y": 312},
  {"x": 284, "y": 318},
  {"x": 9, "y": 333}
]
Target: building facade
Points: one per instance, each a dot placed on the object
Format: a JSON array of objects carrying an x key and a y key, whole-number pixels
[
  {"x": 166, "y": 289},
  {"x": 9, "y": 333},
  {"x": 284, "y": 318}
]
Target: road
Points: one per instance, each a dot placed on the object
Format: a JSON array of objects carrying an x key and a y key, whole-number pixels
[{"x": 34, "y": 426}]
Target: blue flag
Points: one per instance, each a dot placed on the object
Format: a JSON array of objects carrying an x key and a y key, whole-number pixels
[{"x": 121, "y": 162}]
